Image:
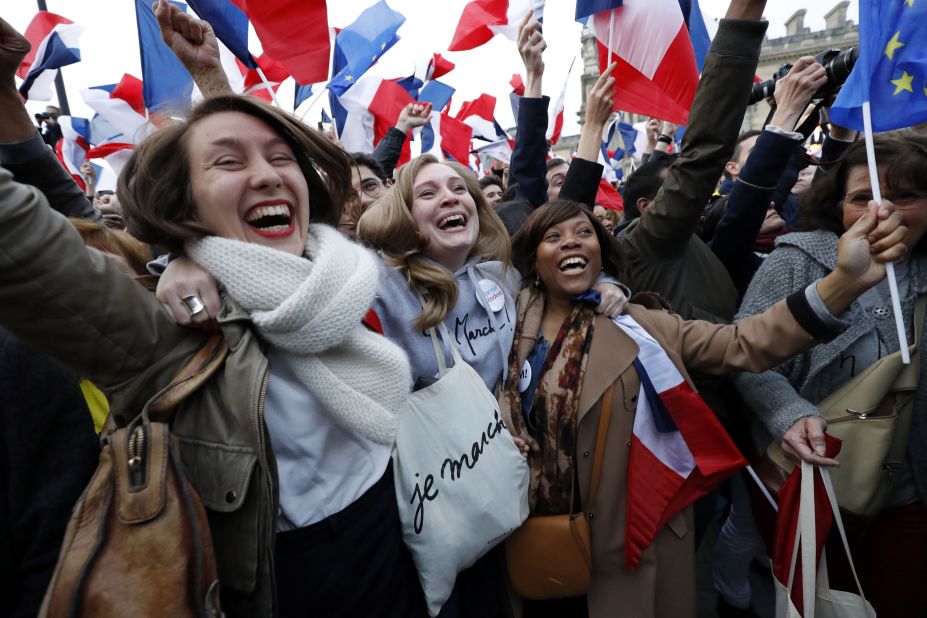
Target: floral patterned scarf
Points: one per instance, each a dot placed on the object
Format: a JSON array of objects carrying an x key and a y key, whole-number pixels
[{"x": 553, "y": 417}]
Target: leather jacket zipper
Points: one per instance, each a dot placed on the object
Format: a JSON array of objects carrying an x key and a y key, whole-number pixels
[
  {"x": 136, "y": 450},
  {"x": 271, "y": 524}
]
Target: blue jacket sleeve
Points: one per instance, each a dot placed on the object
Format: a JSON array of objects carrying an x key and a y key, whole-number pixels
[
  {"x": 747, "y": 204},
  {"x": 32, "y": 163},
  {"x": 528, "y": 167}
]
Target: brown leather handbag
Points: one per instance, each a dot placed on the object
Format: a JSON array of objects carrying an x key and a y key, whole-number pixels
[
  {"x": 550, "y": 557},
  {"x": 138, "y": 543}
]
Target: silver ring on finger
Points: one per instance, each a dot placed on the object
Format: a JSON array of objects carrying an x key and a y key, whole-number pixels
[{"x": 194, "y": 304}]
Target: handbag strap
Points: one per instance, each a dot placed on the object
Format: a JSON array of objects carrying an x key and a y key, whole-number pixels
[
  {"x": 192, "y": 375},
  {"x": 838, "y": 519},
  {"x": 604, "y": 416}
]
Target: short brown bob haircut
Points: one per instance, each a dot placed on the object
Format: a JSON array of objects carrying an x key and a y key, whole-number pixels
[
  {"x": 155, "y": 189},
  {"x": 526, "y": 241}
]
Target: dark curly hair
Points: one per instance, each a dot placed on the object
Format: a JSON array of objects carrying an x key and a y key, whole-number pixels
[
  {"x": 903, "y": 156},
  {"x": 526, "y": 240}
]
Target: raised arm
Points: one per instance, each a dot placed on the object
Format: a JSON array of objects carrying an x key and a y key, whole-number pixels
[
  {"x": 78, "y": 305},
  {"x": 527, "y": 168},
  {"x": 22, "y": 150},
  {"x": 389, "y": 150},
  {"x": 714, "y": 123},
  {"x": 757, "y": 182},
  {"x": 582, "y": 179},
  {"x": 194, "y": 43},
  {"x": 763, "y": 341}
]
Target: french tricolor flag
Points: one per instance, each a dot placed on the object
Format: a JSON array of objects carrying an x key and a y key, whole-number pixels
[
  {"x": 122, "y": 106},
  {"x": 656, "y": 73},
  {"x": 54, "y": 42},
  {"x": 481, "y": 20},
  {"x": 447, "y": 138},
  {"x": 480, "y": 114},
  {"x": 75, "y": 142},
  {"x": 679, "y": 450}
]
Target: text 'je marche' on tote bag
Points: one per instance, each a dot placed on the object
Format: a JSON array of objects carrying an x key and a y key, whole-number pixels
[
  {"x": 819, "y": 600},
  {"x": 871, "y": 414},
  {"x": 461, "y": 482}
]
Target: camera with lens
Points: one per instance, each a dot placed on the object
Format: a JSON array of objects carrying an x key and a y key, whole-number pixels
[
  {"x": 43, "y": 116},
  {"x": 836, "y": 63}
]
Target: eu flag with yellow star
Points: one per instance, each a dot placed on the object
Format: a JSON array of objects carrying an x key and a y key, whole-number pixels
[{"x": 891, "y": 72}]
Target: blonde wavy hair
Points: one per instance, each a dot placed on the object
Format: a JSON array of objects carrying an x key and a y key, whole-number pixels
[{"x": 388, "y": 227}]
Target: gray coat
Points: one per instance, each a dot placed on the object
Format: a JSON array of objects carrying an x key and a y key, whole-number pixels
[{"x": 789, "y": 392}]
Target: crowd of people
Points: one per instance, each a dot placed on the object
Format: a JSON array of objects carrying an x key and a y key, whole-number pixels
[{"x": 749, "y": 269}]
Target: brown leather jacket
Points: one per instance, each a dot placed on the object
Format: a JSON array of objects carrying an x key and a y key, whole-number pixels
[{"x": 81, "y": 308}]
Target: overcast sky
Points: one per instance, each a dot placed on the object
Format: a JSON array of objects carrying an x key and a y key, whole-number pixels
[{"x": 109, "y": 46}]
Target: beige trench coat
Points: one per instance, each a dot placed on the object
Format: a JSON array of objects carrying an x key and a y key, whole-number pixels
[{"x": 663, "y": 586}]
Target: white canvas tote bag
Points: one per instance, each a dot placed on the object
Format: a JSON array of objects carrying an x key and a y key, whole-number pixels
[
  {"x": 820, "y": 601},
  {"x": 461, "y": 482}
]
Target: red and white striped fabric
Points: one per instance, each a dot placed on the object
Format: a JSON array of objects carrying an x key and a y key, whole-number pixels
[
  {"x": 656, "y": 72},
  {"x": 481, "y": 20},
  {"x": 679, "y": 450}
]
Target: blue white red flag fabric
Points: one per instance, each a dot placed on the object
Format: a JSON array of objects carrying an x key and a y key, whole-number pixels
[
  {"x": 168, "y": 86},
  {"x": 891, "y": 71},
  {"x": 608, "y": 197},
  {"x": 366, "y": 112},
  {"x": 116, "y": 155},
  {"x": 500, "y": 151},
  {"x": 363, "y": 42},
  {"x": 75, "y": 142},
  {"x": 301, "y": 94},
  {"x": 447, "y": 138},
  {"x": 787, "y": 523},
  {"x": 230, "y": 25},
  {"x": 273, "y": 71},
  {"x": 588, "y": 8},
  {"x": 55, "y": 43},
  {"x": 555, "y": 111},
  {"x": 439, "y": 67},
  {"x": 294, "y": 33},
  {"x": 656, "y": 73},
  {"x": 481, "y": 20},
  {"x": 679, "y": 450},
  {"x": 628, "y": 137},
  {"x": 122, "y": 107},
  {"x": 480, "y": 114},
  {"x": 701, "y": 30},
  {"x": 326, "y": 119},
  {"x": 437, "y": 93}
]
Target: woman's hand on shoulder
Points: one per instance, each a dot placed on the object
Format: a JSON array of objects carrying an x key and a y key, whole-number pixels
[
  {"x": 182, "y": 279},
  {"x": 804, "y": 441},
  {"x": 613, "y": 300}
]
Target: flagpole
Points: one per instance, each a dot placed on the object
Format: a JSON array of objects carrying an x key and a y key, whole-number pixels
[
  {"x": 59, "y": 80},
  {"x": 611, "y": 36},
  {"x": 273, "y": 95},
  {"x": 889, "y": 267},
  {"x": 314, "y": 101}
]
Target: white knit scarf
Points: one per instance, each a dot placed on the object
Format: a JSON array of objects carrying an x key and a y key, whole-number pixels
[{"x": 312, "y": 310}]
